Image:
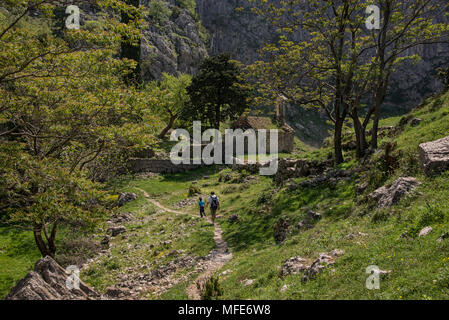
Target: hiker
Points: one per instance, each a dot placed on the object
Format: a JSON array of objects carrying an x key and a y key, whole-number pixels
[
  {"x": 214, "y": 203},
  {"x": 201, "y": 205}
]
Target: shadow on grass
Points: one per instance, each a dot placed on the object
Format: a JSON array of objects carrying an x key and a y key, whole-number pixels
[
  {"x": 192, "y": 175},
  {"x": 249, "y": 231},
  {"x": 257, "y": 228}
]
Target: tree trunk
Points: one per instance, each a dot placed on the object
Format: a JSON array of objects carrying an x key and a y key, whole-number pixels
[
  {"x": 37, "y": 231},
  {"x": 217, "y": 116},
  {"x": 338, "y": 153},
  {"x": 168, "y": 127},
  {"x": 49, "y": 248},
  {"x": 360, "y": 136},
  {"x": 52, "y": 240},
  {"x": 379, "y": 100}
]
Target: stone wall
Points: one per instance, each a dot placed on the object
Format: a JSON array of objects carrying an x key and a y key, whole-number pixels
[{"x": 137, "y": 165}]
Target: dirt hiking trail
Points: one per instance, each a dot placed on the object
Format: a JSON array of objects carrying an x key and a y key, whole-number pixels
[{"x": 214, "y": 260}]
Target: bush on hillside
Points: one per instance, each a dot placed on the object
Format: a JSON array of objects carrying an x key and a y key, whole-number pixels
[
  {"x": 212, "y": 290},
  {"x": 194, "y": 190}
]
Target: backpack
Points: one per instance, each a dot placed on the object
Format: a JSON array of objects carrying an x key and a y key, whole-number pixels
[{"x": 214, "y": 203}]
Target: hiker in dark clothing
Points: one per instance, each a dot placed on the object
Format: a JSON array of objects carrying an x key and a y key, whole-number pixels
[
  {"x": 214, "y": 204},
  {"x": 201, "y": 205}
]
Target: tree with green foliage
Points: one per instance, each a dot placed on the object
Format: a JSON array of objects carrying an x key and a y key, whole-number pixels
[
  {"x": 339, "y": 64},
  {"x": 131, "y": 49},
  {"x": 404, "y": 26},
  {"x": 324, "y": 69},
  {"x": 219, "y": 92},
  {"x": 64, "y": 110},
  {"x": 159, "y": 12},
  {"x": 171, "y": 98}
]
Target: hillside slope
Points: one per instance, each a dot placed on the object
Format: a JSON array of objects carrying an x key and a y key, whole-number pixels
[
  {"x": 266, "y": 224},
  {"x": 327, "y": 223},
  {"x": 415, "y": 267}
]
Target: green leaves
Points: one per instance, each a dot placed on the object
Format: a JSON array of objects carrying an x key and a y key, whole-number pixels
[
  {"x": 218, "y": 93},
  {"x": 66, "y": 117}
]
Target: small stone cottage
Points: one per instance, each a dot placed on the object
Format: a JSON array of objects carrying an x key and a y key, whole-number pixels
[{"x": 286, "y": 134}]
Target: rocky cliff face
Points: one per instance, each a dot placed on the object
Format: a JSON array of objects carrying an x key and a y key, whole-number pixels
[
  {"x": 177, "y": 46},
  {"x": 172, "y": 42},
  {"x": 412, "y": 83},
  {"x": 239, "y": 32}
]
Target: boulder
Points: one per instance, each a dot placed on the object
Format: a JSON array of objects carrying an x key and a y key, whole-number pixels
[
  {"x": 434, "y": 156},
  {"x": 294, "y": 265},
  {"x": 314, "y": 215},
  {"x": 336, "y": 253},
  {"x": 249, "y": 282},
  {"x": 425, "y": 231},
  {"x": 281, "y": 229},
  {"x": 415, "y": 122},
  {"x": 303, "y": 225},
  {"x": 298, "y": 265},
  {"x": 105, "y": 241},
  {"x": 121, "y": 217},
  {"x": 317, "y": 266},
  {"x": 233, "y": 218},
  {"x": 116, "y": 292},
  {"x": 48, "y": 282},
  {"x": 443, "y": 236},
  {"x": 115, "y": 231},
  {"x": 125, "y": 197},
  {"x": 386, "y": 197}
]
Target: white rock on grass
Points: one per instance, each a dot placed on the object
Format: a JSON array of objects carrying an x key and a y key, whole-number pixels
[
  {"x": 249, "y": 282},
  {"x": 424, "y": 232}
]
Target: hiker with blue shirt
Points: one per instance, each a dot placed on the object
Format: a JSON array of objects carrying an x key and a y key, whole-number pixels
[
  {"x": 214, "y": 203},
  {"x": 201, "y": 205}
]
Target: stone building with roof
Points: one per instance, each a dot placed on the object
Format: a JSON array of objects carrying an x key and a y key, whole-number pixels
[{"x": 286, "y": 134}]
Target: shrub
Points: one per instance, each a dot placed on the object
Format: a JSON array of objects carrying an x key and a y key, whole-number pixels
[
  {"x": 212, "y": 289},
  {"x": 194, "y": 190},
  {"x": 409, "y": 162},
  {"x": 432, "y": 215},
  {"x": 389, "y": 159},
  {"x": 265, "y": 197},
  {"x": 93, "y": 25},
  {"x": 159, "y": 11},
  {"x": 380, "y": 215},
  {"x": 229, "y": 189},
  {"x": 189, "y": 5}
]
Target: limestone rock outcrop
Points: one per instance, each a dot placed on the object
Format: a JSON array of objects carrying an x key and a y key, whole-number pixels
[
  {"x": 310, "y": 270},
  {"x": 125, "y": 197},
  {"x": 434, "y": 156},
  {"x": 48, "y": 282},
  {"x": 388, "y": 196}
]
